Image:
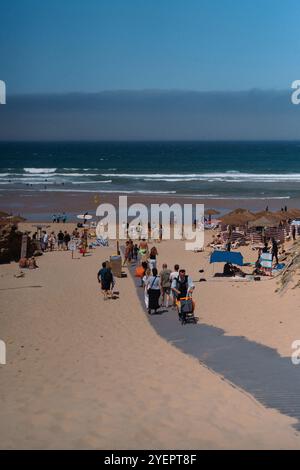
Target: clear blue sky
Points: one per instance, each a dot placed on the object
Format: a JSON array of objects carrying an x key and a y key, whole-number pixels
[{"x": 94, "y": 45}]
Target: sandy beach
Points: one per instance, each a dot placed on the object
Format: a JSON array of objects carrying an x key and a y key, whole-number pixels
[
  {"x": 130, "y": 132},
  {"x": 84, "y": 373}
]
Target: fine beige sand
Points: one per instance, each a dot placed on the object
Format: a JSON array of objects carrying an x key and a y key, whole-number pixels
[{"x": 84, "y": 373}]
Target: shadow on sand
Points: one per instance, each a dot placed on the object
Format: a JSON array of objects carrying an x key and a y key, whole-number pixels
[{"x": 259, "y": 370}]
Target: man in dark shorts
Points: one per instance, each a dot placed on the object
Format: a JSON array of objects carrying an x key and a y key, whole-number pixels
[
  {"x": 67, "y": 238},
  {"x": 106, "y": 279},
  {"x": 60, "y": 240}
]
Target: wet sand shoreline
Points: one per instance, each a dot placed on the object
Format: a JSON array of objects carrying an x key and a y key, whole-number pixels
[{"x": 39, "y": 206}]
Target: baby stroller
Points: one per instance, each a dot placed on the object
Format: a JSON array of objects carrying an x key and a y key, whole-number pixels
[{"x": 185, "y": 308}]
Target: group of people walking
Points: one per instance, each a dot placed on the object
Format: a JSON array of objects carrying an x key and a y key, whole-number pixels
[
  {"x": 140, "y": 252},
  {"x": 165, "y": 288},
  {"x": 51, "y": 242}
]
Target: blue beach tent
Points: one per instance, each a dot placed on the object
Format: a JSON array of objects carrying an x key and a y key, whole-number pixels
[{"x": 227, "y": 257}]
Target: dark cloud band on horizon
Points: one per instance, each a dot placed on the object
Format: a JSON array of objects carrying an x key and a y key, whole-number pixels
[{"x": 151, "y": 115}]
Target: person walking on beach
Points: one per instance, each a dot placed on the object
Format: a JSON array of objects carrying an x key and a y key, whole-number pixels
[
  {"x": 153, "y": 286},
  {"x": 165, "y": 282},
  {"x": 127, "y": 254},
  {"x": 145, "y": 284},
  {"x": 135, "y": 252},
  {"x": 60, "y": 240},
  {"x": 160, "y": 233},
  {"x": 45, "y": 241},
  {"x": 275, "y": 250},
  {"x": 174, "y": 275},
  {"x": 294, "y": 232},
  {"x": 143, "y": 247},
  {"x": 75, "y": 233},
  {"x": 67, "y": 238},
  {"x": 152, "y": 257},
  {"x": 52, "y": 241},
  {"x": 182, "y": 286},
  {"x": 105, "y": 278}
]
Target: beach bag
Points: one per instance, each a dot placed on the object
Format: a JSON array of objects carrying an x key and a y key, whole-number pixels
[
  {"x": 186, "y": 306},
  {"x": 139, "y": 271}
]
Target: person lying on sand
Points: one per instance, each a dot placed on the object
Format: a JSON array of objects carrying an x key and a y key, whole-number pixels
[{"x": 230, "y": 271}]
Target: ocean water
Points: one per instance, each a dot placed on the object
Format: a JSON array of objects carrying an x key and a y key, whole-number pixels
[{"x": 230, "y": 170}]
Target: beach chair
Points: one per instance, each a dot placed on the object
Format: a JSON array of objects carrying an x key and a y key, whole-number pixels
[{"x": 102, "y": 241}]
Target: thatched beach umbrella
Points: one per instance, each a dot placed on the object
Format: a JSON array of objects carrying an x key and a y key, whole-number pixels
[
  {"x": 293, "y": 212},
  {"x": 283, "y": 215},
  {"x": 240, "y": 210},
  {"x": 211, "y": 212},
  {"x": 264, "y": 221},
  {"x": 233, "y": 219},
  {"x": 268, "y": 215},
  {"x": 238, "y": 218}
]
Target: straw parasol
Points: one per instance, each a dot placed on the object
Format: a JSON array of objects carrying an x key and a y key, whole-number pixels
[
  {"x": 240, "y": 210},
  {"x": 264, "y": 221},
  {"x": 283, "y": 215},
  {"x": 268, "y": 215},
  {"x": 211, "y": 212},
  {"x": 237, "y": 218},
  {"x": 293, "y": 212}
]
